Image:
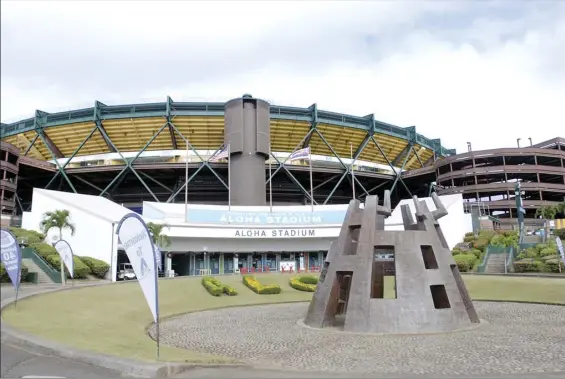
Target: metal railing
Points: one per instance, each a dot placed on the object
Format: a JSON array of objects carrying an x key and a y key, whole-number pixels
[{"x": 54, "y": 275}]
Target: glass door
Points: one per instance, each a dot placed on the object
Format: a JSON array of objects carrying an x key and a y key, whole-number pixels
[
  {"x": 228, "y": 263},
  {"x": 214, "y": 263}
]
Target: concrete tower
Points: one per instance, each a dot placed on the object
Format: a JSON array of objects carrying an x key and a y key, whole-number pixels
[
  {"x": 247, "y": 130},
  {"x": 425, "y": 290}
]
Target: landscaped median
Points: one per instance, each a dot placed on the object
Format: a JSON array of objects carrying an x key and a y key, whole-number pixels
[
  {"x": 216, "y": 288},
  {"x": 306, "y": 283},
  {"x": 262, "y": 289},
  {"x": 112, "y": 319}
]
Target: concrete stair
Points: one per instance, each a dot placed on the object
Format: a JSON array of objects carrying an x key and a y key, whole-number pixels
[
  {"x": 42, "y": 277},
  {"x": 495, "y": 264}
]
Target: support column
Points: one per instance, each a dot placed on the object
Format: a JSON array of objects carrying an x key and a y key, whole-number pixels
[
  {"x": 235, "y": 264},
  {"x": 221, "y": 272},
  {"x": 168, "y": 264},
  {"x": 247, "y": 130}
]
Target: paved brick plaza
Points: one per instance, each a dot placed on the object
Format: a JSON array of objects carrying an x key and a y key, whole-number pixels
[{"x": 517, "y": 338}]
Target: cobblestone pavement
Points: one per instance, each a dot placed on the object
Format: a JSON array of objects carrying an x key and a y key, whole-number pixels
[{"x": 518, "y": 338}]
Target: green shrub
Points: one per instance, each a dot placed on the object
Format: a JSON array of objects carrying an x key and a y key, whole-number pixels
[
  {"x": 476, "y": 252},
  {"x": 4, "y": 278},
  {"x": 465, "y": 262},
  {"x": 81, "y": 270},
  {"x": 44, "y": 250},
  {"x": 31, "y": 235},
  {"x": 528, "y": 265},
  {"x": 469, "y": 234},
  {"x": 457, "y": 251},
  {"x": 306, "y": 283},
  {"x": 552, "y": 265},
  {"x": 470, "y": 238},
  {"x": 560, "y": 233},
  {"x": 97, "y": 267},
  {"x": 216, "y": 288},
  {"x": 487, "y": 234},
  {"x": 256, "y": 286},
  {"x": 481, "y": 243},
  {"x": 552, "y": 250}
]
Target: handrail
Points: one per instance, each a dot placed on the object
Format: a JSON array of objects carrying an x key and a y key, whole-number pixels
[{"x": 53, "y": 274}]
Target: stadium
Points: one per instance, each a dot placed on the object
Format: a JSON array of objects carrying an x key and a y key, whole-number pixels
[
  {"x": 153, "y": 158},
  {"x": 135, "y": 153},
  {"x": 138, "y": 152}
]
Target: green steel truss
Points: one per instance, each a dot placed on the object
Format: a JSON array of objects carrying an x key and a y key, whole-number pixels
[{"x": 170, "y": 109}]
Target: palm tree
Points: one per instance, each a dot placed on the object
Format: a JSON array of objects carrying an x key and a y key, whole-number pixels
[
  {"x": 159, "y": 238},
  {"x": 59, "y": 219}
]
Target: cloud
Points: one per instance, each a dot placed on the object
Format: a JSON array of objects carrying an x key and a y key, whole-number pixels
[{"x": 486, "y": 72}]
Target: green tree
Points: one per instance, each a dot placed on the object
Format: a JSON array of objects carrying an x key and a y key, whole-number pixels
[
  {"x": 560, "y": 210},
  {"x": 547, "y": 212},
  {"x": 59, "y": 219},
  {"x": 159, "y": 238}
]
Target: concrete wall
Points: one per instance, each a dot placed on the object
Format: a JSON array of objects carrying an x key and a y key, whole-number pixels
[{"x": 94, "y": 218}]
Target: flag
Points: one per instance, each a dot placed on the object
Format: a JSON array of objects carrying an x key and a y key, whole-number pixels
[
  {"x": 136, "y": 239},
  {"x": 11, "y": 257},
  {"x": 299, "y": 154},
  {"x": 66, "y": 254},
  {"x": 222, "y": 154}
]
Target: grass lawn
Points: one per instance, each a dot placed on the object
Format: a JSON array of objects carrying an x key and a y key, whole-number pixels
[{"x": 111, "y": 319}]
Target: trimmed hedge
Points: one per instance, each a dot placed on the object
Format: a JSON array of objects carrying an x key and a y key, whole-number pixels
[
  {"x": 4, "y": 278},
  {"x": 97, "y": 267},
  {"x": 261, "y": 289},
  {"x": 31, "y": 235},
  {"x": 531, "y": 265},
  {"x": 528, "y": 265},
  {"x": 465, "y": 262},
  {"x": 553, "y": 265},
  {"x": 44, "y": 250},
  {"x": 216, "y": 288},
  {"x": 81, "y": 270},
  {"x": 306, "y": 283}
]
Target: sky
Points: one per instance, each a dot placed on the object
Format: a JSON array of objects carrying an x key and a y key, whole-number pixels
[{"x": 484, "y": 72}]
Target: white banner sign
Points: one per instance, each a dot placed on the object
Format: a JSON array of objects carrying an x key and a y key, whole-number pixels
[
  {"x": 560, "y": 248},
  {"x": 287, "y": 266},
  {"x": 136, "y": 240},
  {"x": 66, "y": 254},
  {"x": 11, "y": 257}
]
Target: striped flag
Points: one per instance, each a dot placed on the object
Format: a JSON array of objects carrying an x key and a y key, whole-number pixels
[
  {"x": 299, "y": 154},
  {"x": 222, "y": 154}
]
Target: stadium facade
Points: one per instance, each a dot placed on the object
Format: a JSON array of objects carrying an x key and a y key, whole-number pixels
[{"x": 135, "y": 153}]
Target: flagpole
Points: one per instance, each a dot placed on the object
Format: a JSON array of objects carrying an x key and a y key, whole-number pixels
[
  {"x": 229, "y": 177},
  {"x": 157, "y": 324},
  {"x": 186, "y": 185},
  {"x": 311, "y": 182},
  {"x": 352, "y": 174}
]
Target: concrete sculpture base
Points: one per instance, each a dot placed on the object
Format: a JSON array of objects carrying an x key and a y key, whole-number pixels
[{"x": 427, "y": 293}]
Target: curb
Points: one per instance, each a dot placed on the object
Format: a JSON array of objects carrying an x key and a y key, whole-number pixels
[
  {"x": 126, "y": 366},
  {"x": 517, "y": 275}
]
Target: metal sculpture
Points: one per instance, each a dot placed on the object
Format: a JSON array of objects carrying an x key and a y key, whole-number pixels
[{"x": 426, "y": 294}]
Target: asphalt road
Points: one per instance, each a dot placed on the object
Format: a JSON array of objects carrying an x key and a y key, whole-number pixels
[{"x": 19, "y": 363}]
